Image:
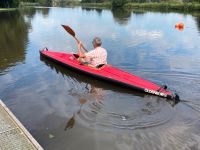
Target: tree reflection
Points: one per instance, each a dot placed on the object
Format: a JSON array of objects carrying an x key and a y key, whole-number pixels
[
  {"x": 139, "y": 12},
  {"x": 44, "y": 11},
  {"x": 13, "y": 39},
  {"x": 121, "y": 16},
  {"x": 197, "y": 18},
  {"x": 99, "y": 11},
  {"x": 87, "y": 9},
  {"x": 28, "y": 12}
]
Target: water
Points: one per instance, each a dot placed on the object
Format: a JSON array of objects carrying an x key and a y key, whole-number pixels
[{"x": 66, "y": 110}]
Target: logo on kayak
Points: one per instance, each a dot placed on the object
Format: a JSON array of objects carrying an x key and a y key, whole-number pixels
[{"x": 155, "y": 92}]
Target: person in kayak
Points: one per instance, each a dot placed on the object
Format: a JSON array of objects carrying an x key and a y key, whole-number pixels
[{"x": 94, "y": 58}]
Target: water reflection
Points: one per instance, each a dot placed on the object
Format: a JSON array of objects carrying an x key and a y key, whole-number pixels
[
  {"x": 90, "y": 86},
  {"x": 121, "y": 16},
  {"x": 197, "y": 19},
  {"x": 99, "y": 112},
  {"x": 70, "y": 123},
  {"x": 13, "y": 39},
  {"x": 44, "y": 11},
  {"x": 28, "y": 12},
  {"x": 48, "y": 102},
  {"x": 98, "y": 10}
]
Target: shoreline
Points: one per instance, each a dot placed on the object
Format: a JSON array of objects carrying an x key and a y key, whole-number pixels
[
  {"x": 148, "y": 6},
  {"x": 153, "y": 6},
  {"x": 7, "y": 9},
  {"x": 95, "y": 5},
  {"x": 21, "y": 5},
  {"x": 164, "y": 6}
]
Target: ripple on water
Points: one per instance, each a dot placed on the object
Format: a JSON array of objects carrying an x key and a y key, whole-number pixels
[
  {"x": 183, "y": 83},
  {"x": 107, "y": 109},
  {"x": 110, "y": 114}
]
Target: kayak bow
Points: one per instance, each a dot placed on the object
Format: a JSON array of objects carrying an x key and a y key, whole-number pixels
[{"x": 110, "y": 74}]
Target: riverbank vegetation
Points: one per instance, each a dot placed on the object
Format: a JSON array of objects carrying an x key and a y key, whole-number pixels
[
  {"x": 18, "y": 3},
  {"x": 164, "y": 6},
  {"x": 98, "y": 5},
  {"x": 7, "y": 9},
  {"x": 146, "y": 4},
  {"x": 127, "y": 4}
]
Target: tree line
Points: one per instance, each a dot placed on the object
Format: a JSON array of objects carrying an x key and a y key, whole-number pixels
[
  {"x": 15, "y": 3},
  {"x": 138, "y": 1},
  {"x": 120, "y": 3}
]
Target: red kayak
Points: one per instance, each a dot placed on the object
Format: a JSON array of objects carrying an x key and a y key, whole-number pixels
[{"x": 110, "y": 73}]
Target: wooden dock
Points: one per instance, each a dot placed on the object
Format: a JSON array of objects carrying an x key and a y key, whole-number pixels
[{"x": 13, "y": 135}]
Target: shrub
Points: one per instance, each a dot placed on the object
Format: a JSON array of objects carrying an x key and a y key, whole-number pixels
[
  {"x": 9, "y": 3},
  {"x": 118, "y": 3}
]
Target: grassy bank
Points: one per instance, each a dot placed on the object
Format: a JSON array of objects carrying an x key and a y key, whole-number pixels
[
  {"x": 165, "y": 6},
  {"x": 149, "y": 6},
  {"x": 21, "y": 5},
  {"x": 28, "y": 4},
  {"x": 7, "y": 9},
  {"x": 96, "y": 5}
]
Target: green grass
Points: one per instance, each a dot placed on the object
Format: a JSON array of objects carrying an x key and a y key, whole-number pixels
[
  {"x": 98, "y": 5},
  {"x": 150, "y": 6},
  {"x": 28, "y": 4},
  {"x": 22, "y": 4},
  {"x": 166, "y": 6},
  {"x": 7, "y": 9}
]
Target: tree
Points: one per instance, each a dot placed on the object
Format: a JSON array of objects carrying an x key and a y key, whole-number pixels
[
  {"x": 9, "y": 3},
  {"x": 118, "y": 3},
  {"x": 93, "y": 1},
  {"x": 45, "y": 2}
]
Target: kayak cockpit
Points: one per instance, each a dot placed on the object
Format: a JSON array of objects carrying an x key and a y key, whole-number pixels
[{"x": 99, "y": 67}]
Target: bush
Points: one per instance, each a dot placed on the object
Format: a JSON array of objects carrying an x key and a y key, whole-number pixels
[
  {"x": 165, "y": 6},
  {"x": 9, "y": 3},
  {"x": 119, "y": 3}
]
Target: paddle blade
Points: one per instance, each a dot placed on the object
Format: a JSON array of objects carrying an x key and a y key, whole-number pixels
[{"x": 69, "y": 30}]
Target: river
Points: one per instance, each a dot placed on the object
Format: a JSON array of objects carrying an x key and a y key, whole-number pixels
[{"x": 63, "y": 109}]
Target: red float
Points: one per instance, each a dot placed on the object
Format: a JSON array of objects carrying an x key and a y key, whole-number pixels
[{"x": 180, "y": 26}]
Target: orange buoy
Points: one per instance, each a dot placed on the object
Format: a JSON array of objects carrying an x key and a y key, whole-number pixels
[{"x": 179, "y": 26}]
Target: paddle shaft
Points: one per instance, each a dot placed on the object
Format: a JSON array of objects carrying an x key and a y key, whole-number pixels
[
  {"x": 72, "y": 33},
  {"x": 77, "y": 40}
]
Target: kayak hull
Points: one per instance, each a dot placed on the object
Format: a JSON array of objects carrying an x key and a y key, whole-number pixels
[{"x": 110, "y": 74}]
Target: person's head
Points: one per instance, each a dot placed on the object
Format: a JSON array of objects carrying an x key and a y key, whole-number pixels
[{"x": 96, "y": 42}]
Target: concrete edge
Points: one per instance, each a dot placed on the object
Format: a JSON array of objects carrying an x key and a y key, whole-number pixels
[{"x": 19, "y": 124}]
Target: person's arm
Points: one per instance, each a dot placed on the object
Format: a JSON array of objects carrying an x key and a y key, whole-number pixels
[
  {"x": 82, "y": 46},
  {"x": 80, "y": 51}
]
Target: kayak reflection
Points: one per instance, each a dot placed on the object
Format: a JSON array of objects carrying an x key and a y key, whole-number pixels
[
  {"x": 94, "y": 86},
  {"x": 94, "y": 107}
]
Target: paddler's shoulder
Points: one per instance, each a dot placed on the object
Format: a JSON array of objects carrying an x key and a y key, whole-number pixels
[{"x": 100, "y": 48}]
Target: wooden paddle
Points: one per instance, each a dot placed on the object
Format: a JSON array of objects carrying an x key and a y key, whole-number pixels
[{"x": 72, "y": 33}]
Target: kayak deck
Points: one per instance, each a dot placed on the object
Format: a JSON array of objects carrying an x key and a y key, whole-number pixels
[{"x": 109, "y": 73}]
